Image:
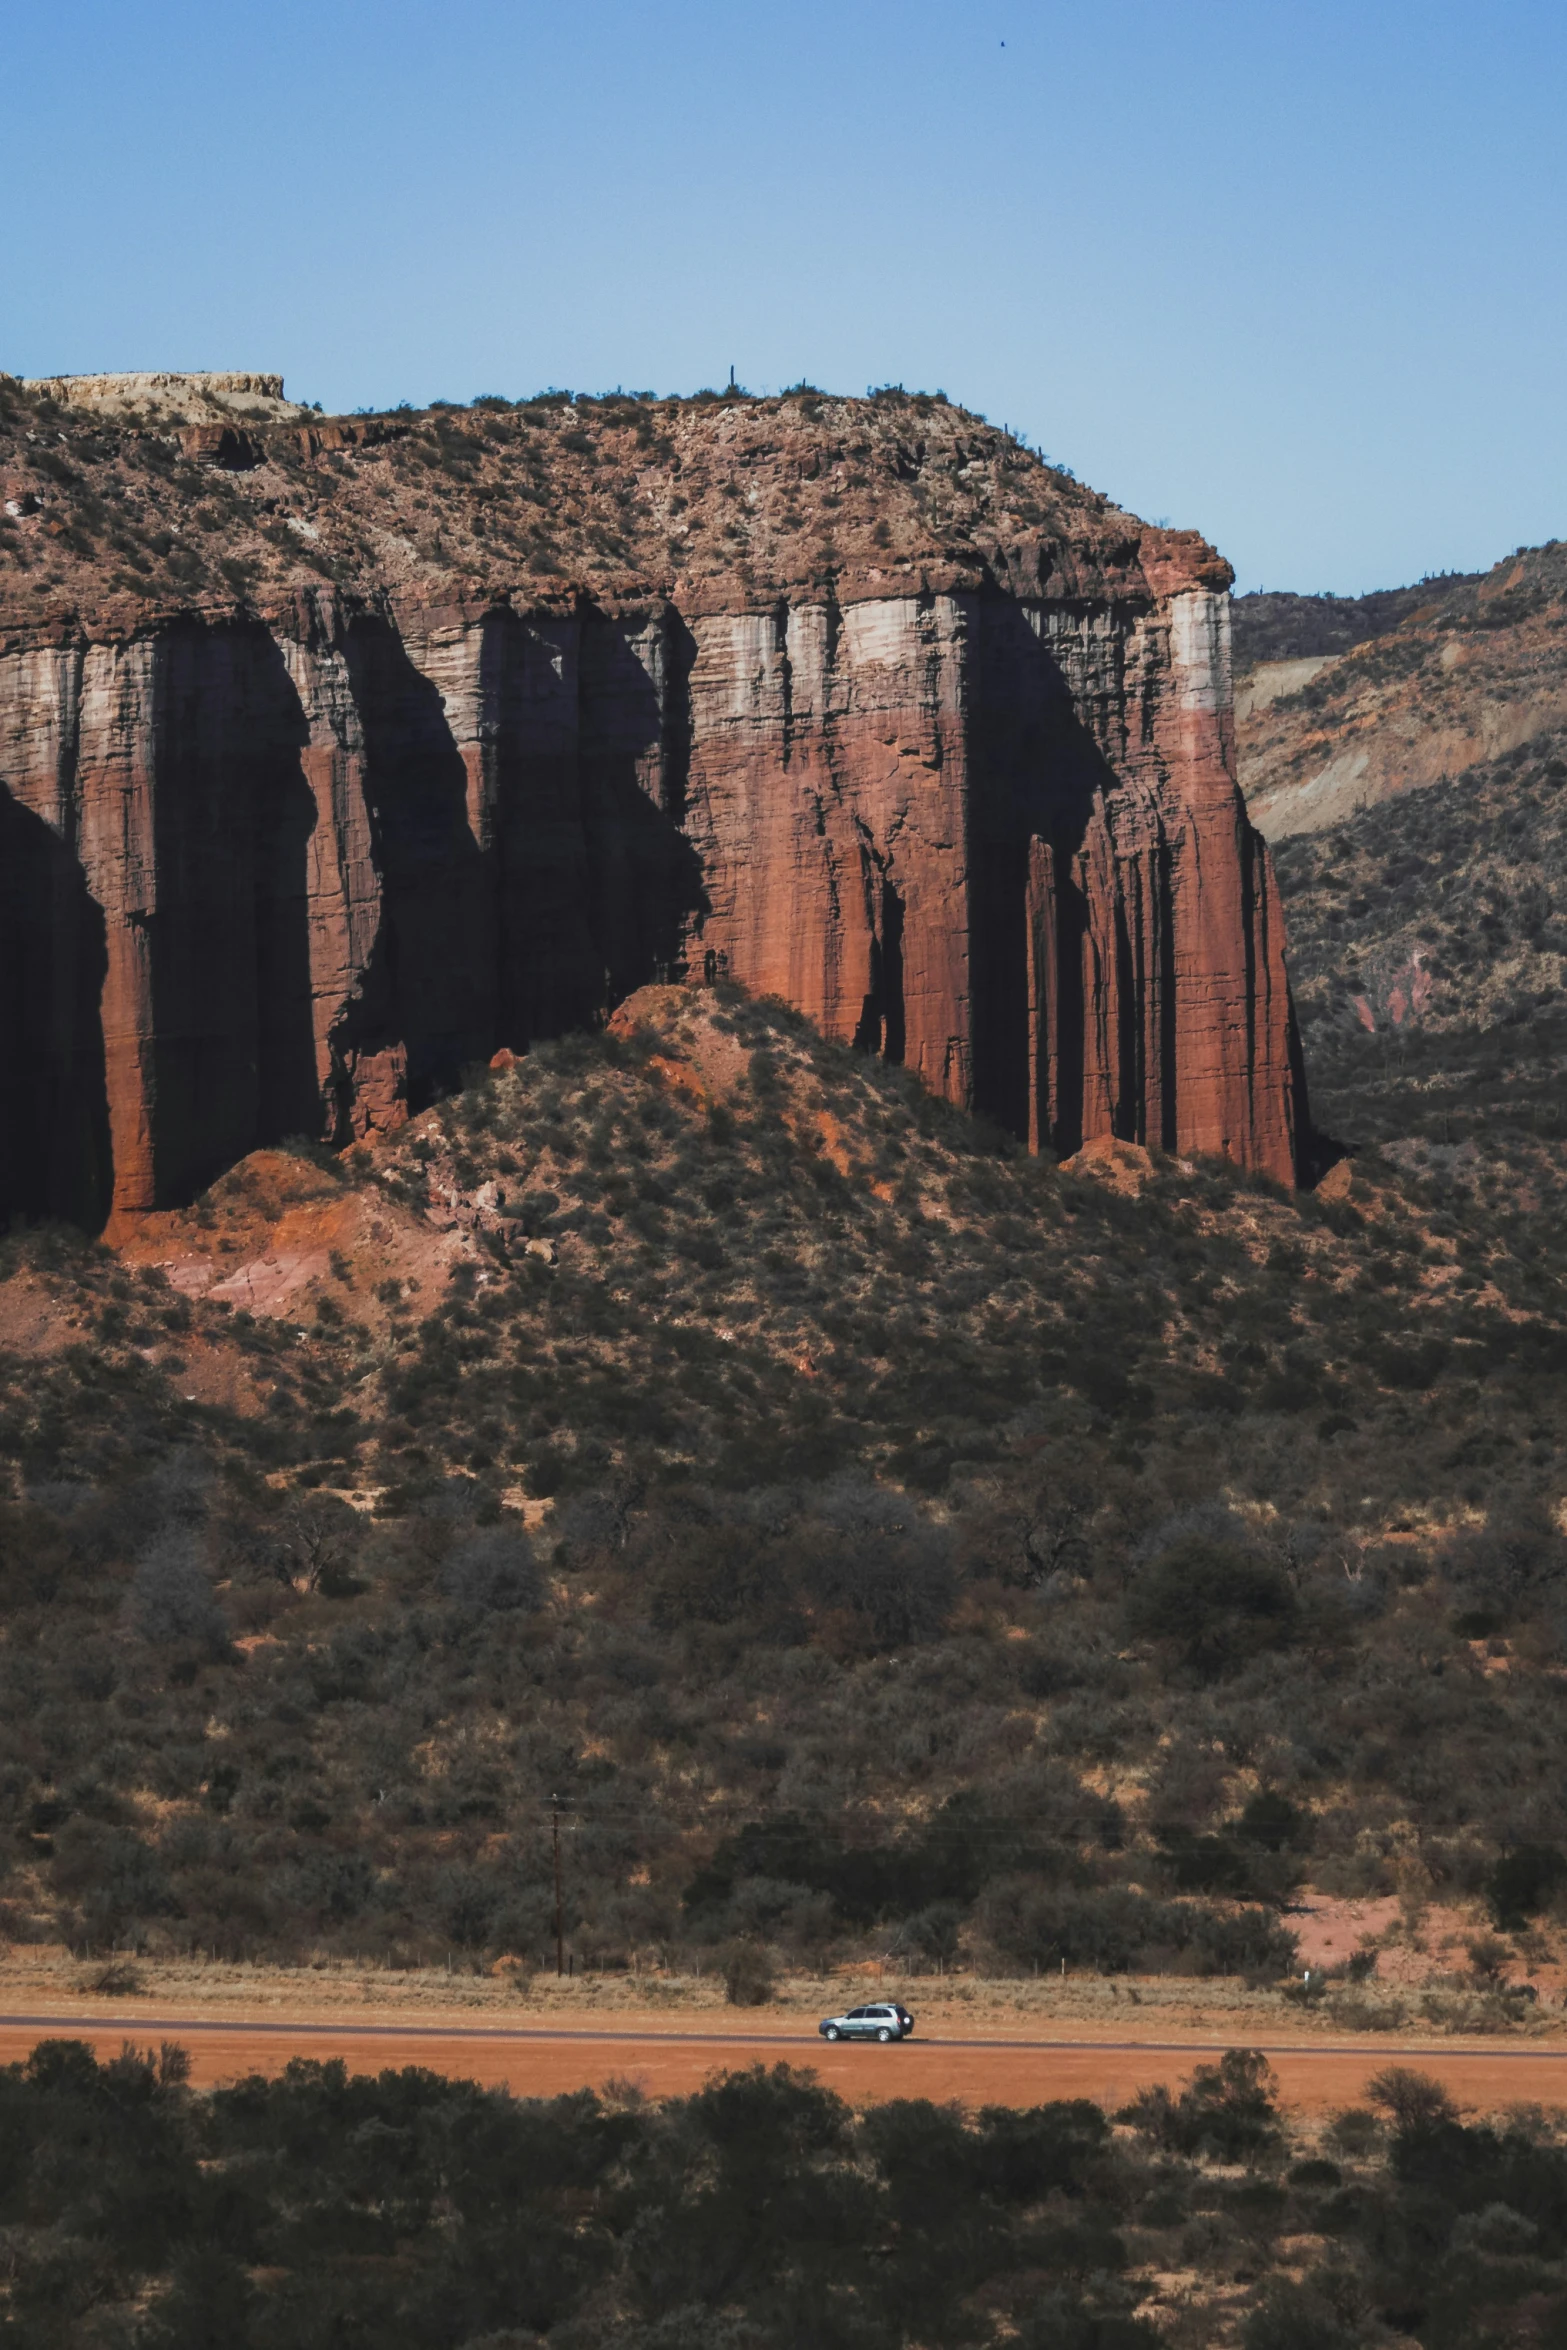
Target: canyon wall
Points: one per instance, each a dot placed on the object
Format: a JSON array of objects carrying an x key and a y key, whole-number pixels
[
  {"x": 335, "y": 755},
  {"x": 294, "y": 875}
]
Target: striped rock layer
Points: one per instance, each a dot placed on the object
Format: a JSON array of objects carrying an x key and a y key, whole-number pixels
[{"x": 292, "y": 871}]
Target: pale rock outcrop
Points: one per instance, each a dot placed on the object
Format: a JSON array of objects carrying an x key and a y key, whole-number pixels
[{"x": 187, "y": 398}]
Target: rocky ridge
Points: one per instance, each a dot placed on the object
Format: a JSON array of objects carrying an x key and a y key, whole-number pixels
[
  {"x": 1475, "y": 670},
  {"x": 184, "y": 398},
  {"x": 338, "y": 753},
  {"x": 1273, "y": 625},
  {"x": 1429, "y": 959}
]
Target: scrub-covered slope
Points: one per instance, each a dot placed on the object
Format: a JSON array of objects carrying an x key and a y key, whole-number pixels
[{"x": 871, "y": 1533}]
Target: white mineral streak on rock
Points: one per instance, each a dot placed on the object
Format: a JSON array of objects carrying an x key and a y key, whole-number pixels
[{"x": 1200, "y": 650}]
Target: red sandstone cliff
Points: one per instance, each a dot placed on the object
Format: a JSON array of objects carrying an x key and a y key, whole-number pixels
[{"x": 856, "y": 702}]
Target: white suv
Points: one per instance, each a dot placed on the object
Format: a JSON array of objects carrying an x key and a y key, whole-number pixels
[{"x": 885, "y": 2021}]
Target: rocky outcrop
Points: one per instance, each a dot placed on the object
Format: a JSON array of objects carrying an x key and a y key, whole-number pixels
[
  {"x": 293, "y": 868},
  {"x": 186, "y": 396}
]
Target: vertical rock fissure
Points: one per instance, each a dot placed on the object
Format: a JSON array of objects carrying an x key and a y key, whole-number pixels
[
  {"x": 1073, "y": 947},
  {"x": 55, "y": 1156},
  {"x": 1249, "y": 916},
  {"x": 1128, "y": 1107},
  {"x": 881, "y": 1025},
  {"x": 1165, "y": 1005},
  {"x": 280, "y": 822},
  {"x": 679, "y": 653}
]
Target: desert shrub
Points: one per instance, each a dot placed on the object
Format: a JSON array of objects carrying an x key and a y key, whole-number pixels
[
  {"x": 310, "y": 1544},
  {"x": 693, "y": 1568},
  {"x": 1113, "y": 1930},
  {"x": 1505, "y": 1569},
  {"x": 935, "y": 1932},
  {"x": 1042, "y": 1673},
  {"x": 465, "y": 1903},
  {"x": 852, "y": 1560},
  {"x": 1214, "y": 1603},
  {"x": 1524, "y": 1881},
  {"x": 1414, "y": 2102},
  {"x": 1271, "y": 1820},
  {"x": 747, "y": 1973},
  {"x": 493, "y": 1571},
  {"x": 116, "y": 1881},
  {"x": 1226, "y": 2110},
  {"x": 866, "y": 1553},
  {"x": 329, "y": 1887},
  {"x": 35, "y": 1554},
  {"x": 944, "y": 1863},
  {"x": 171, "y": 1597},
  {"x": 1294, "y": 2316},
  {"x": 1226, "y": 1865}
]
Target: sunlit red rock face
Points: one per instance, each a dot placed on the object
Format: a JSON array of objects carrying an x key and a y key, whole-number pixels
[
  {"x": 293, "y": 868},
  {"x": 1000, "y": 840}
]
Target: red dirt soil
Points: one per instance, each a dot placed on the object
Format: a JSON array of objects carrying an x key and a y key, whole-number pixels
[{"x": 673, "y": 2062}]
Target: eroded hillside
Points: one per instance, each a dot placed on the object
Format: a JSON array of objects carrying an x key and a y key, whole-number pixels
[
  {"x": 1427, "y": 948},
  {"x": 1275, "y": 626},
  {"x": 1476, "y": 670}
]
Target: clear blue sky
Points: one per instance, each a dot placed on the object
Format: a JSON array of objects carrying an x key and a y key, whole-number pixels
[{"x": 1291, "y": 272}]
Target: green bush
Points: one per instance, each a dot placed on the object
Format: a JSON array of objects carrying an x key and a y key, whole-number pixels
[
  {"x": 1524, "y": 1881},
  {"x": 1111, "y": 1930},
  {"x": 1214, "y": 1603},
  {"x": 1226, "y": 2111},
  {"x": 747, "y": 1973}
]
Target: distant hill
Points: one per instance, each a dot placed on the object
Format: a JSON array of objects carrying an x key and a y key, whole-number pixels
[
  {"x": 1278, "y": 626},
  {"x": 1474, "y": 668},
  {"x": 1428, "y": 950}
]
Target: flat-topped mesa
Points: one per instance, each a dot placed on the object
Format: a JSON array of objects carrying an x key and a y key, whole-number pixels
[
  {"x": 488, "y": 718},
  {"x": 188, "y": 398}
]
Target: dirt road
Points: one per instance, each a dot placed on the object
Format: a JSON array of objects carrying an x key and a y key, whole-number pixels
[{"x": 671, "y": 2060}]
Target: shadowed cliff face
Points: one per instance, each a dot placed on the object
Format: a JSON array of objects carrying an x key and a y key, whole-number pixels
[
  {"x": 324, "y": 858},
  {"x": 54, "y": 1116}
]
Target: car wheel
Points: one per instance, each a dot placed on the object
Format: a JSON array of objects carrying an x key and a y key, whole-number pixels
[
  {"x": 832, "y": 2033},
  {"x": 884, "y": 2035}
]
